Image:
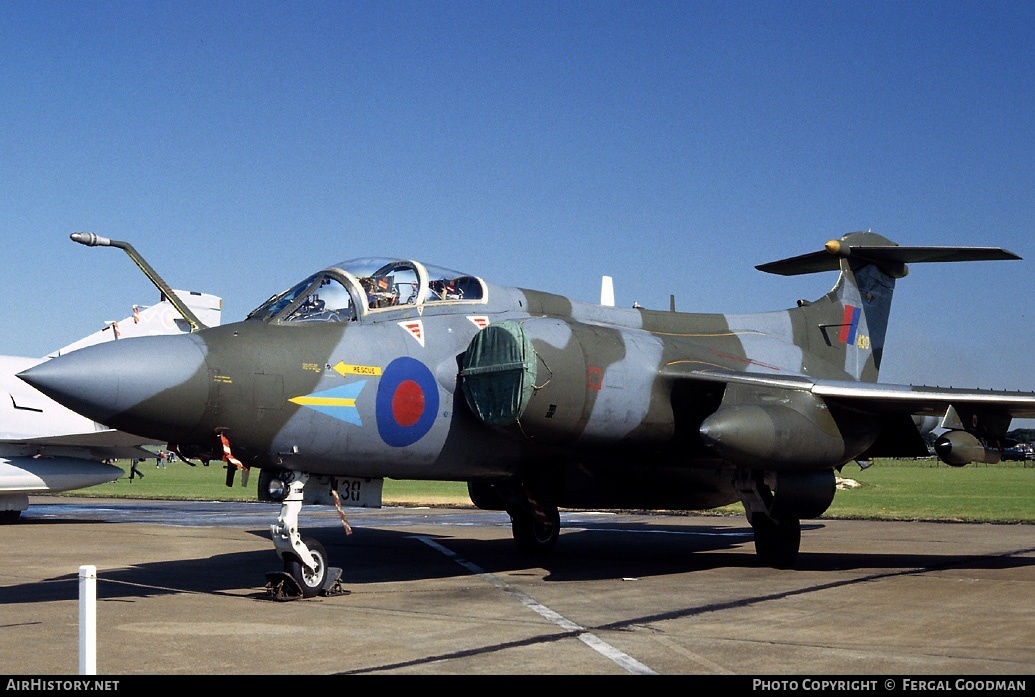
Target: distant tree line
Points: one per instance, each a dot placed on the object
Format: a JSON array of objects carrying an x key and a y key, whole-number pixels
[{"x": 1022, "y": 435}]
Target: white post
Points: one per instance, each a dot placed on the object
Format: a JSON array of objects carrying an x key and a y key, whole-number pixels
[{"x": 88, "y": 620}]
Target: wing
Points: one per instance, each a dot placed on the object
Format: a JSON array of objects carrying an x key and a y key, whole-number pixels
[
  {"x": 974, "y": 418},
  {"x": 886, "y": 397},
  {"x": 101, "y": 445}
]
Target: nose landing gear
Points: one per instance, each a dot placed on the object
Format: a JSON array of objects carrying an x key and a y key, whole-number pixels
[{"x": 306, "y": 573}]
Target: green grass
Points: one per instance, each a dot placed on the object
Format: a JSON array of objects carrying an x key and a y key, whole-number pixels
[
  {"x": 179, "y": 481},
  {"x": 890, "y": 489},
  {"x": 929, "y": 490}
]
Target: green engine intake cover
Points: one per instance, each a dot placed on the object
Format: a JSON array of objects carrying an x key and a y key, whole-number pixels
[{"x": 499, "y": 371}]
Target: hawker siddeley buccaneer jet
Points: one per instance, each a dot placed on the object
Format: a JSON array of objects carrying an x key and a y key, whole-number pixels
[{"x": 376, "y": 368}]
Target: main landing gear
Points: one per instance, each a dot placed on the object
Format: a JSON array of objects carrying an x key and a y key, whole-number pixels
[
  {"x": 777, "y": 537},
  {"x": 535, "y": 526},
  {"x": 534, "y": 520},
  {"x": 775, "y": 505},
  {"x": 306, "y": 572}
]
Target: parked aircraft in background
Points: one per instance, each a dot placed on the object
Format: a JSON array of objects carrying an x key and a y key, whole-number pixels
[
  {"x": 375, "y": 368},
  {"x": 47, "y": 448}
]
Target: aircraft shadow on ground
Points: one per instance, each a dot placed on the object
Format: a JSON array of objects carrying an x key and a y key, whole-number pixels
[
  {"x": 385, "y": 555},
  {"x": 588, "y": 553},
  {"x": 607, "y": 551}
]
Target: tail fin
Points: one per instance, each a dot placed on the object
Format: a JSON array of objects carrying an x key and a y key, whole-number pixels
[
  {"x": 849, "y": 323},
  {"x": 161, "y": 318}
]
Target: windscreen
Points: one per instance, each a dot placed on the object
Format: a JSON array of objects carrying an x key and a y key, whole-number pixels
[{"x": 319, "y": 298}]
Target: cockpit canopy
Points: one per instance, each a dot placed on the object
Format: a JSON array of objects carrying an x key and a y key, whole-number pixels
[{"x": 359, "y": 287}]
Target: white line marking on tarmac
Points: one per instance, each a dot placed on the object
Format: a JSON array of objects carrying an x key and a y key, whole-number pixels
[
  {"x": 691, "y": 533},
  {"x": 624, "y": 660}
]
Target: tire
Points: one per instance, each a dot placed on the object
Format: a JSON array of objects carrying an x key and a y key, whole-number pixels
[
  {"x": 9, "y": 517},
  {"x": 533, "y": 535},
  {"x": 777, "y": 543},
  {"x": 311, "y": 582}
]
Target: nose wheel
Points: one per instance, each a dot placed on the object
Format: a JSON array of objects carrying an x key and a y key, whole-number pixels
[
  {"x": 306, "y": 572},
  {"x": 309, "y": 582}
]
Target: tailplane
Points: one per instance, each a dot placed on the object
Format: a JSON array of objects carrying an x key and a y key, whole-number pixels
[
  {"x": 852, "y": 319},
  {"x": 873, "y": 248}
]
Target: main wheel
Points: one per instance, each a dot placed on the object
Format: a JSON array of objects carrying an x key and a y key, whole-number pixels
[
  {"x": 311, "y": 581},
  {"x": 533, "y": 534},
  {"x": 777, "y": 543}
]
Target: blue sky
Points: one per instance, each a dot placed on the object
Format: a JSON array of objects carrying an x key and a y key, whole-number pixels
[{"x": 240, "y": 146}]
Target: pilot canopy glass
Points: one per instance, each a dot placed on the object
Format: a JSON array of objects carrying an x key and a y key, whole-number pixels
[{"x": 356, "y": 288}]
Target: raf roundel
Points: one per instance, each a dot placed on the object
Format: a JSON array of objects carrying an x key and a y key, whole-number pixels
[{"x": 407, "y": 402}]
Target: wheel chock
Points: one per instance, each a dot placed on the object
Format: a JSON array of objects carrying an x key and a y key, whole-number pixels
[
  {"x": 281, "y": 585},
  {"x": 332, "y": 584}
]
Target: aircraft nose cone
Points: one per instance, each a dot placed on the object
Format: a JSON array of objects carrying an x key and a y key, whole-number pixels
[{"x": 155, "y": 386}]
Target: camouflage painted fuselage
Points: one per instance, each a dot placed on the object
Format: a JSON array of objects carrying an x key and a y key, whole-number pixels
[{"x": 590, "y": 405}]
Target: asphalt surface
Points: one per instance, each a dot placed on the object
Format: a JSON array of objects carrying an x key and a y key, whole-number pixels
[{"x": 441, "y": 591}]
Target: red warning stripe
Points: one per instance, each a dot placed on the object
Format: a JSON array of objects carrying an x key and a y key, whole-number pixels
[
  {"x": 341, "y": 511},
  {"x": 227, "y": 455}
]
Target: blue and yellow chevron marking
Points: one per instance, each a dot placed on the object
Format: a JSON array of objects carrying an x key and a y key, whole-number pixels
[{"x": 338, "y": 403}]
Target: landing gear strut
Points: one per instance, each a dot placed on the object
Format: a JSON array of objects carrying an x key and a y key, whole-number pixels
[
  {"x": 534, "y": 521},
  {"x": 306, "y": 573},
  {"x": 777, "y": 535},
  {"x": 535, "y": 525}
]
